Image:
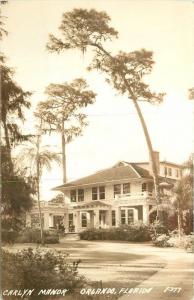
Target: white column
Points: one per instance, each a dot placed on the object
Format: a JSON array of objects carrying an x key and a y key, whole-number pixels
[
  {"x": 50, "y": 220},
  {"x": 118, "y": 216},
  {"x": 96, "y": 218},
  {"x": 146, "y": 214},
  {"x": 66, "y": 222},
  {"x": 109, "y": 218},
  {"x": 77, "y": 222},
  {"x": 46, "y": 220},
  {"x": 135, "y": 211}
]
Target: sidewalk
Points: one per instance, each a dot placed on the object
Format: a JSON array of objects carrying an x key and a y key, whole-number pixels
[{"x": 167, "y": 282}]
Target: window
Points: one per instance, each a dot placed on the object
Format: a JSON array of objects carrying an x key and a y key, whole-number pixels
[
  {"x": 169, "y": 171},
  {"x": 94, "y": 193},
  {"x": 122, "y": 216},
  {"x": 113, "y": 218},
  {"x": 70, "y": 220},
  {"x": 130, "y": 216},
  {"x": 101, "y": 192},
  {"x": 144, "y": 187},
  {"x": 73, "y": 195},
  {"x": 84, "y": 220},
  {"x": 177, "y": 172},
  {"x": 98, "y": 193},
  {"x": 117, "y": 189},
  {"x": 80, "y": 195},
  {"x": 126, "y": 188}
]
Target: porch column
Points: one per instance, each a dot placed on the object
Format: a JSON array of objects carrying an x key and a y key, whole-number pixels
[
  {"x": 66, "y": 222},
  {"x": 50, "y": 220},
  {"x": 46, "y": 220},
  {"x": 77, "y": 222},
  {"x": 118, "y": 216},
  {"x": 96, "y": 218},
  {"x": 109, "y": 218},
  {"x": 146, "y": 214}
]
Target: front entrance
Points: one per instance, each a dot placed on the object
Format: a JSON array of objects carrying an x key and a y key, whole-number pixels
[
  {"x": 71, "y": 223},
  {"x": 102, "y": 218}
]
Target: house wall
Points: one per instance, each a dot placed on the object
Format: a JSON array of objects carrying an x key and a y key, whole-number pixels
[{"x": 135, "y": 189}]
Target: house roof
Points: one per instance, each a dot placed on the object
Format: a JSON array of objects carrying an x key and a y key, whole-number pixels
[{"x": 120, "y": 171}]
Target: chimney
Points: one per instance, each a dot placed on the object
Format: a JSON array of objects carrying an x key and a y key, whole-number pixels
[{"x": 157, "y": 162}]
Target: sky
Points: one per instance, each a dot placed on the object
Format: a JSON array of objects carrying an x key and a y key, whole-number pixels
[{"x": 114, "y": 133}]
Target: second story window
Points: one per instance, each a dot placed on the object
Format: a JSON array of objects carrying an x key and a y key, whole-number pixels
[
  {"x": 94, "y": 193},
  {"x": 144, "y": 187},
  {"x": 77, "y": 195},
  {"x": 98, "y": 193},
  {"x": 117, "y": 189},
  {"x": 73, "y": 195},
  {"x": 101, "y": 192},
  {"x": 80, "y": 195},
  {"x": 177, "y": 173},
  {"x": 126, "y": 188},
  {"x": 169, "y": 172}
]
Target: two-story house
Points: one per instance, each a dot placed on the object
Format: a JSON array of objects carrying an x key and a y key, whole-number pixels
[{"x": 118, "y": 195}]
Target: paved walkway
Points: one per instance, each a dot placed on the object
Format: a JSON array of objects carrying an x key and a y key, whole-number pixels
[
  {"x": 129, "y": 265},
  {"x": 175, "y": 281}
]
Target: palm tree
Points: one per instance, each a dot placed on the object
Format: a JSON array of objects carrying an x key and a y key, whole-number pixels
[{"x": 37, "y": 159}]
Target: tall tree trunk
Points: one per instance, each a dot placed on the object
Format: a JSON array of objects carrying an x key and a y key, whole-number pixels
[
  {"x": 152, "y": 158},
  {"x": 63, "y": 145},
  {"x": 8, "y": 147},
  {"x": 145, "y": 130},
  {"x": 38, "y": 189}
]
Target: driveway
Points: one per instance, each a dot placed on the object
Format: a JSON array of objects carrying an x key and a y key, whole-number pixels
[{"x": 127, "y": 265}]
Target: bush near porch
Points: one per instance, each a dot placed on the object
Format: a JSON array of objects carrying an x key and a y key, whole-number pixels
[
  {"x": 29, "y": 235},
  {"x": 133, "y": 233}
]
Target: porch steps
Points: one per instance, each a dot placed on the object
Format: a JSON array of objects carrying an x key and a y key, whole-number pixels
[{"x": 70, "y": 237}]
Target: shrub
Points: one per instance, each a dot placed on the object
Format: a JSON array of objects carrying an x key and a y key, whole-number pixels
[
  {"x": 35, "y": 269},
  {"x": 134, "y": 232},
  {"x": 184, "y": 241},
  {"x": 30, "y": 235},
  {"x": 8, "y": 236},
  {"x": 161, "y": 240}
]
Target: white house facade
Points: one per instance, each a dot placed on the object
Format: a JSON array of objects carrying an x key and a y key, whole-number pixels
[{"x": 119, "y": 195}]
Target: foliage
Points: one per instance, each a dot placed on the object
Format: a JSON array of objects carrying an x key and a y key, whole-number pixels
[
  {"x": 135, "y": 233},
  {"x": 58, "y": 199},
  {"x": 14, "y": 101},
  {"x": 191, "y": 93},
  {"x": 80, "y": 28},
  {"x": 161, "y": 240},
  {"x": 182, "y": 241},
  {"x": 16, "y": 195},
  {"x": 158, "y": 227},
  {"x": 62, "y": 105},
  {"x": 34, "y": 236},
  {"x": 39, "y": 269},
  {"x": 8, "y": 236}
]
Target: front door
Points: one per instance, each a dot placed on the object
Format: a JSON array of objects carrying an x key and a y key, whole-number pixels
[
  {"x": 71, "y": 223},
  {"x": 102, "y": 219}
]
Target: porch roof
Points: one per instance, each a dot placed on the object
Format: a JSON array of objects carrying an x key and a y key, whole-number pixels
[{"x": 93, "y": 204}]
